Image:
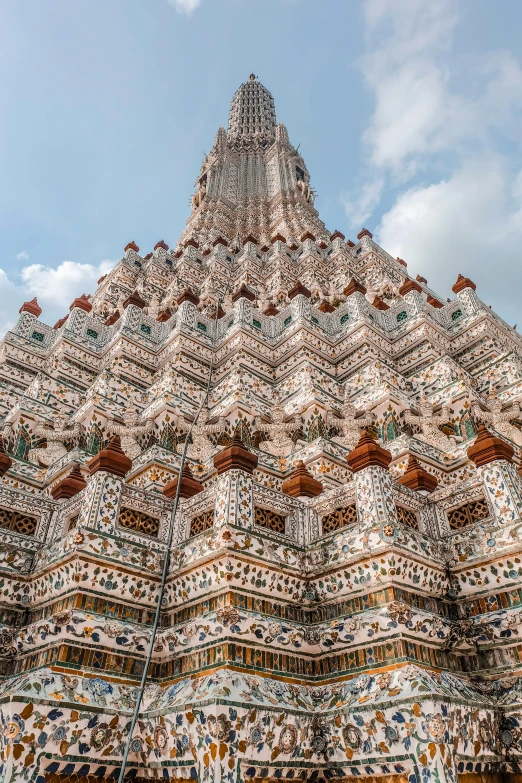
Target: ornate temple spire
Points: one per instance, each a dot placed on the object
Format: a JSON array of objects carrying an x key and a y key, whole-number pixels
[
  {"x": 252, "y": 112},
  {"x": 257, "y": 177}
]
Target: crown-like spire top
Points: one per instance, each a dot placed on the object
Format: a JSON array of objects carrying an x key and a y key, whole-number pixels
[{"x": 252, "y": 111}]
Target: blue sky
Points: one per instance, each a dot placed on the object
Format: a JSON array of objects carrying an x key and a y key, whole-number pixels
[{"x": 408, "y": 114}]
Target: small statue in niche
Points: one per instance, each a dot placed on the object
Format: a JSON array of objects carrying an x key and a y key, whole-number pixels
[
  {"x": 56, "y": 436},
  {"x": 350, "y": 426},
  {"x": 305, "y": 190},
  {"x": 279, "y": 442},
  {"x": 153, "y": 308},
  {"x": 262, "y": 300},
  {"x": 201, "y": 449},
  {"x": 429, "y": 422},
  {"x": 131, "y": 429},
  {"x": 201, "y": 192},
  {"x": 499, "y": 419}
]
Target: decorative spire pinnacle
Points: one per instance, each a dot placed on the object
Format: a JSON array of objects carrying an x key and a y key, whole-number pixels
[
  {"x": 69, "y": 486},
  {"x": 189, "y": 485},
  {"x": 367, "y": 454},
  {"x": 415, "y": 477},
  {"x": 235, "y": 456},
  {"x": 252, "y": 111},
  {"x": 301, "y": 483},
  {"x": 31, "y": 307},
  {"x": 461, "y": 283},
  {"x": 136, "y": 300},
  {"x": 111, "y": 459},
  {"x": 82, "y": 302},
  {"x": 488, "y": 448}
]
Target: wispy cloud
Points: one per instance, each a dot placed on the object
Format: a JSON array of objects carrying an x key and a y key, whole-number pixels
[
  {"x": 54, "y": 287},
  {"x": 185, "y": 6},
  {"x": 442, "y": 133},
  {"x": 359, "y": 208},
  {"x": 23, "y": 256},
  {"x": 60, "y": 285}
]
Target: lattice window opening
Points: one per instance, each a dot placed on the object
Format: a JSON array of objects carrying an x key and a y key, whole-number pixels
[
  {"x": 270, "y": 520},
  {"x": 468, "y": 514},
  {"x": 17, "y": 522},
  {"x": 408, "y": 517},
  {"x": 201, "y": 523},
  {"x": 72, "y": 522},
  {"x": 139, "y": 522},
  {"x": 340, "y": 518}
]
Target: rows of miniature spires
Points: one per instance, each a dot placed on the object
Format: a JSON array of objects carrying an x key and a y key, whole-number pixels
[
  {"x": 487, "y": 448},
  {"x": 298, "y": 289},
  {"x": 292, "y": 244}
]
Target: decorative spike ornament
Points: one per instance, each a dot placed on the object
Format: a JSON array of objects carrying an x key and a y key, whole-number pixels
[{"x": 235, "y": 456}]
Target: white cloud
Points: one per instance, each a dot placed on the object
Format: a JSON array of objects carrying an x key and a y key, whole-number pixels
[
  {"x": 469, "y": 223},
  {"x": 58, "y": 286},
  {"x": 360, "y": 208},
  {"x": 414, "y": 111},
  {"x": 185, "y": 6},
  {"x": 23, "y": 256},
  {"x": 427, "y": 100},
  {"x": 54, "y": 287},
  {"x": 437, "y": 110}
]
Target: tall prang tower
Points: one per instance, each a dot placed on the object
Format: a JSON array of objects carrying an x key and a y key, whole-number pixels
[{"x": 332, "y": 451}]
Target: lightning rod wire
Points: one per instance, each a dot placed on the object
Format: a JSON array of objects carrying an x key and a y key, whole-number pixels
[{"x": 166, "y": 562}]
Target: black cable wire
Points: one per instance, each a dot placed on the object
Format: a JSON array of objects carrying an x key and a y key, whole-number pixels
[{"x": 166, "y": 562}]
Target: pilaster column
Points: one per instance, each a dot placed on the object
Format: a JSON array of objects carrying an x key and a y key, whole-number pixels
[
  {"x": 187, "y": 303},
  {"x": 235, "y": 488},
  {"x": 29, "y": 313},
  {"x": 365, "y": 238},
  {"x": 101, "y": 504},
  {"x": 79, "y": 311},
  {"x": 374, "y": 489},
  {"x": 5, "y": 459},
  {"x": 412, "y": 293},
  {"x": 355, "y": 292},
  {"x": 337, "y": 240},
  {"x": 465, "y": 289},
  {"x": 299, "y": 297},
  {"x": 493, "y": 458},
  {"x": 243, "y": 299}
]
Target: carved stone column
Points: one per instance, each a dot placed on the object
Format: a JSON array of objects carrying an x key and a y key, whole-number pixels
[
  {"x": 412, "y": 293},
  {"x": 78, "y": 312},
  {"x": 374, "y": 489},
  {"x": 235, "y": 489},
  {"x": 299, "y": 297},
  {"x": 465, "y": 289},
  {"x": 355, "y": 292},
  {"x": 29, "y": 314},
  {"x": 101, "y": 504},
  {"x": 187, "y": 303}
]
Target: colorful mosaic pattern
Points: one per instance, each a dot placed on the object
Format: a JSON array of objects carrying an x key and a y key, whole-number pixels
[{"x": 370, "y": 632}]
